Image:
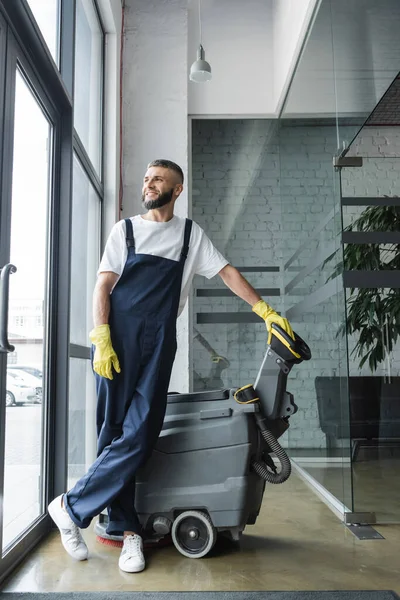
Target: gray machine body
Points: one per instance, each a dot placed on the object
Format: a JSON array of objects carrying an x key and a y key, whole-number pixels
[
  {"x": 202, "y": 459},
  {"x": 202, "y": 462}
]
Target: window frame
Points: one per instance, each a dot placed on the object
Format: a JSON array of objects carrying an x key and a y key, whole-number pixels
[{"x": 56, "y": 85}]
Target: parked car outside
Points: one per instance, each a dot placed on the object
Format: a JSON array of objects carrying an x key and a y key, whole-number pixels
[
  {"x": 18, "y": 391},
  {"x": 29, "y": 380},
  {"x": 31, "y": 369}
]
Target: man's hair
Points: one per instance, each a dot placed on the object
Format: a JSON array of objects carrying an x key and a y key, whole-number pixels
[{"x": 167, "y": 164}]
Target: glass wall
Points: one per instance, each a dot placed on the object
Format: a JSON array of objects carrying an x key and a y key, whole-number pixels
[
  {"x": 371, "y": 214},
  {"x": 267, "y": 194},
  {"x": 314, "y": 300},
  {"x": 276, "y": 198},
  {"x": 345, "y": 74},
  {"x": 236, "y": 199},
  {"x": 365, "y": 48}
]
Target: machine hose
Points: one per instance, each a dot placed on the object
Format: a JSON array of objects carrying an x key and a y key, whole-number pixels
[{"x": 261, "y": 468}]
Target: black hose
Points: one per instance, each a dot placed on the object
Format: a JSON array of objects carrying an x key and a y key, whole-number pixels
[{"x": 261, "y": 468}]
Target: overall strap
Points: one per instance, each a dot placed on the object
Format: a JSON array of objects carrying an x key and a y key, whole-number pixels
[
  {"x": 130, "y": 241},
  {"x": 185, "y": 247}
]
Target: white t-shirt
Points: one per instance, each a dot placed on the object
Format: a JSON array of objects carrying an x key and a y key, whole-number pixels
[{"x": 165, "y": 240}]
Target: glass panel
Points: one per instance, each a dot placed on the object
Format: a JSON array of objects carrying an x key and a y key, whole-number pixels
[
  {"x": 82, "y": 419},
  {"x": 47, "y": 16},
  {"x": 85, "y": 254},
  {"x": 227, "y": 354},
  {"x": 264, "y": 193},
  {"x": 349, "y": 61},
  {"x": 89, "y": 80},
  {"x": 24, "y": 445},
  {"x": 374, "y": 321},
  {"x": 314, "y": 302},
  {"x": 319, "y": 439},
  {"x": 366, "y": 48},
  {"x": 236, "y": 200},
  {"x": 312, "y": 92}
]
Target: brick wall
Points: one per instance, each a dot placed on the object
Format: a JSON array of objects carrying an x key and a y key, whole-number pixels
[
  {"x": 236, "y": 200},
  {"x": 259, "y": 190},
  {"x": 309, "y": 192}
]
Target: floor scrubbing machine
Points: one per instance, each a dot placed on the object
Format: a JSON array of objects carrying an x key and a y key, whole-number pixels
[{"x": 207, "y": 473}]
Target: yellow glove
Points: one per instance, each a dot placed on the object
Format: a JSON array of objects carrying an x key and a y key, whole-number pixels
[
  {"x": 263, "y": 310},
  {"x": 104, "y": 356}
]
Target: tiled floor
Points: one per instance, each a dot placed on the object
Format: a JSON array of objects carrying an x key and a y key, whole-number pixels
[{"x": 296, "y": 544}]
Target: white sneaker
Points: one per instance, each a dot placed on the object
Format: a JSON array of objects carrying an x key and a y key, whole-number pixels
[
  {"x": 71, "y": 537},
  {"x": 132, "y": 559}
]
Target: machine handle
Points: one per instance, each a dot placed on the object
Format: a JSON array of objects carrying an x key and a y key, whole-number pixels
[
  {"x": 297, "y": 345},
  {"x": 5, "y": 346}
]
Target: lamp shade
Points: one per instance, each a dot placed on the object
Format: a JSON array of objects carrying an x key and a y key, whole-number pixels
[{"x": 200, "y": 69}]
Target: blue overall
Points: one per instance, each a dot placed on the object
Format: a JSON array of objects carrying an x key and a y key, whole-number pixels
[{"x": 131, "y": 407}]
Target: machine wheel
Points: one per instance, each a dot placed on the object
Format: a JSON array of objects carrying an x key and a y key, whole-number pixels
[
  {"x": 10, "y": 399},
  {"x": 193, "y": 533}
]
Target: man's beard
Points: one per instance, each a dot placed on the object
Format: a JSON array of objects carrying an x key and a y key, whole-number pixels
[{"x": 162, "y": 200}]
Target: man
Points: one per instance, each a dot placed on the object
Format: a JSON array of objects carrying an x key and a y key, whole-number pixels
[{"x": 143, "y": 283}]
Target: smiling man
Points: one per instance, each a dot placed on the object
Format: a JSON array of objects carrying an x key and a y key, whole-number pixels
[{"x": 143, "y": 283}]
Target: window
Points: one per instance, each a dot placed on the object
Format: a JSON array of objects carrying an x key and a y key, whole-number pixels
[
  {"x": 88, "y": 195},
  {"x": 89, "y": 43},
  {"x": 85, "y": 253},
  {"x": 82, "y": 424},
  {"x": 47, "y": 17}
]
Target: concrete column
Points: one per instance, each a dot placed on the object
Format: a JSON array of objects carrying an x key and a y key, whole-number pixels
[{"x": 155, "y": 115}]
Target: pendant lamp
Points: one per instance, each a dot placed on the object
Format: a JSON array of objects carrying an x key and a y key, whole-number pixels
[{"x": 200, "y": 70}]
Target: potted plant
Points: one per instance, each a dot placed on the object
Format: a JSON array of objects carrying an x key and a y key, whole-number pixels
[{"x": 373, "y": 314}]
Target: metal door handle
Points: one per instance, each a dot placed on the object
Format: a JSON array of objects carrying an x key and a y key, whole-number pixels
[{"x": 4, "y": 285}]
